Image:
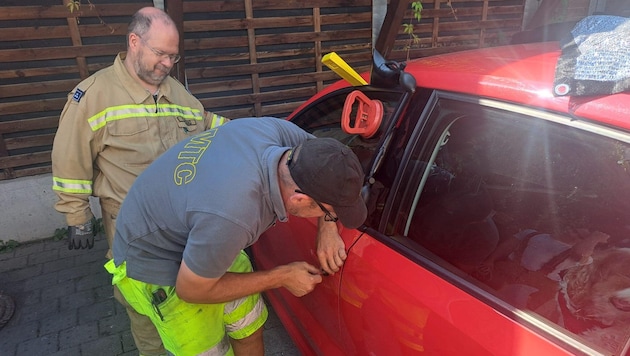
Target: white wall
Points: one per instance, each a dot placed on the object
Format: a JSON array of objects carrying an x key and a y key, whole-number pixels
[{"x": 27, "y": 210}]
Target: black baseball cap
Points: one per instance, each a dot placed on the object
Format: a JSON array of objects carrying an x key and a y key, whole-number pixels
[{"x": 329, "y": 172}]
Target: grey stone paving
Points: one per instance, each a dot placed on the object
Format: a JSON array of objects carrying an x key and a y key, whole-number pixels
[{"x": 64, "y": 305}]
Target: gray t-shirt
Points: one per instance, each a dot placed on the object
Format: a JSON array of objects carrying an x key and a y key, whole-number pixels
[{"x": 204, "y": 200}]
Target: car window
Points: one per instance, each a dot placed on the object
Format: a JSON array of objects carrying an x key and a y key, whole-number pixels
[
  {"x": 535, "y": 210},
  {"x": 323, "y": 119}
]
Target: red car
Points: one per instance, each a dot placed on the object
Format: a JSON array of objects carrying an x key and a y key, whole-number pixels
[{"x": 499, "y": 213}]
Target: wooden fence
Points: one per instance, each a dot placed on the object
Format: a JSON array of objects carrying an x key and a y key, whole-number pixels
[{"x": 241, "y": 57}]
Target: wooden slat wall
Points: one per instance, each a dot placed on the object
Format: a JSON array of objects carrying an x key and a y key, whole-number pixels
[
  {"x": 241, "y": 57},
  {"x": 45, "y": 50},
  {"x": 263, "y": 58},
  {"x": 463, "y": 25}
]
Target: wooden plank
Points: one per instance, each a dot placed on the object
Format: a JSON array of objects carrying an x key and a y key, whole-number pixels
[
  {"x": 25, "y": 107},
  {"x": 237, "y": 113},
  {"x": 57, "y": 32},
  {"x": 213, "y": 6},
  {"x": 39, "y": 123},
  {"x": 47, "y": 53},
  {"x": 272, "y": 22},
  {"x": 111, "y": 29},
  {"x": 223, "y": 86},
  {"x": 215, "y": 43},
  {"x": 33, "y": 33},
  {"x": 29, "y": 141},
  {"x": 242, "y": 24},
  {"x": 33, "y": 12},
  {"x": 326, "y": 47},
  {"x": 303, "y": 78},
  {"x": 267, "y": 82},
  {"x": 25, "y": 172},
  {"x": 254, "y": 98},
  {"x": 338, "y": 35},
  {"x": 299, "y": 4},
  {"x": 284, "y": 108},
  {"x": 245, "y": 69},
  {"x": 24, "y": 159},
  {"x": 334, "y": 19},
  {"x": 42, "y": 87},
  {"x": 47, "y": 71},
  {"x": 446, "y": 13},
  {"x": 282, "y": 54},
  {"x": 61, "y": 12}
]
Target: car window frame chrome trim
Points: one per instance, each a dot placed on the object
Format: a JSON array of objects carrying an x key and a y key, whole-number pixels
[{"x": 554, "y": 334}]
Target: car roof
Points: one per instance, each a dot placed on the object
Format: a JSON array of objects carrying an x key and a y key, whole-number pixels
[{"x": 522, "y": 74}]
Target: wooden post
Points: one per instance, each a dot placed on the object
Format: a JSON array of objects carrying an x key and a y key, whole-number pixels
[
  {"x": 317, "y": 26},
  {"x": 175, "y": 9},
  {"x": 253, "y": 57},
  {"x": 76, "y": 41},
  {"x": 391, "y": 26}
]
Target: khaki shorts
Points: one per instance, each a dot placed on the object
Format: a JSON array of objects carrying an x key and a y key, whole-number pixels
[{"x": 193, "y": 329}]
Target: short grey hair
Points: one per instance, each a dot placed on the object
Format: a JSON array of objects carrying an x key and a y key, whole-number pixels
[{"x": 141, "y": 21}]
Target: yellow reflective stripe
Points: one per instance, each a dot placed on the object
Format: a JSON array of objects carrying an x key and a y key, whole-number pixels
[
  {"x": 72, "y": 185},
  {"x": 114, "y": 113},
  {"x": 218, "y": 120}
]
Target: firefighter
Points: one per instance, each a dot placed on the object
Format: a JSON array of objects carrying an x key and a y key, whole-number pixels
[{"x": 113, "y": 125}]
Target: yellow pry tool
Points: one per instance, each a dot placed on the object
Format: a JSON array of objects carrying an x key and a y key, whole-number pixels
[{"x": 339, "y": 66}]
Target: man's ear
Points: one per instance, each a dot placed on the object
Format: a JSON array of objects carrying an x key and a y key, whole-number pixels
[
  {"x": 298, "y": 199},
  {"x": 133, "y": 40}
]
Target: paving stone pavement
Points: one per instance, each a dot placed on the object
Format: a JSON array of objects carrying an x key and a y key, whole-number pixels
[{"x": 64, "y": 305}]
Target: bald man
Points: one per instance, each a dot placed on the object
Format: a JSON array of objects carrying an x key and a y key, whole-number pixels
[{"x": 114, "y": 124}]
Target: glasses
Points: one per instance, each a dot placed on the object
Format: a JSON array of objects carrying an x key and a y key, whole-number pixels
[
  {"x": 174, "y": 58},
  {"x": 328, "y": 216}
]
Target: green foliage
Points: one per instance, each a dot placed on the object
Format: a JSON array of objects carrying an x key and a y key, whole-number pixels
[
  {"x": 60, "y": 234},
  {"x": 408, "y": 28},
  {"x": 73, "y": 5},
  {"x": 8, "y": 246},
  {"x": 416, "y": 6}
]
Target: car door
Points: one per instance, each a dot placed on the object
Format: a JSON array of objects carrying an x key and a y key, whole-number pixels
[
  {"x": 313, "y": 320},
  {"x": 476, "y": 173}
]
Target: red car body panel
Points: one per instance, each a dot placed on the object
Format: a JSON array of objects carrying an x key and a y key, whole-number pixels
[
  {"x": 521, "y": 74},
  {"x": 328, "y": 320},
  {"x": 337, "y": 318}
]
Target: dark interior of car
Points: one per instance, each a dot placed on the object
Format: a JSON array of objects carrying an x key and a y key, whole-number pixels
[{"x": 533, "y": 210}]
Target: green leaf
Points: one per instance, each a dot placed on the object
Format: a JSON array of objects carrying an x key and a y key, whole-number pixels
[
  {"x": 408, "y": 28},
  {"x": 416, "y": 6}
]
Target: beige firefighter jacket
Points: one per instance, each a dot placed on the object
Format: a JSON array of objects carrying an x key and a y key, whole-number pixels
[{"x": 110, "y": 130}]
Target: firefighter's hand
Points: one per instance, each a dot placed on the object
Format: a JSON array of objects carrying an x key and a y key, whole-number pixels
[{"x": 81, "y": 236}]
